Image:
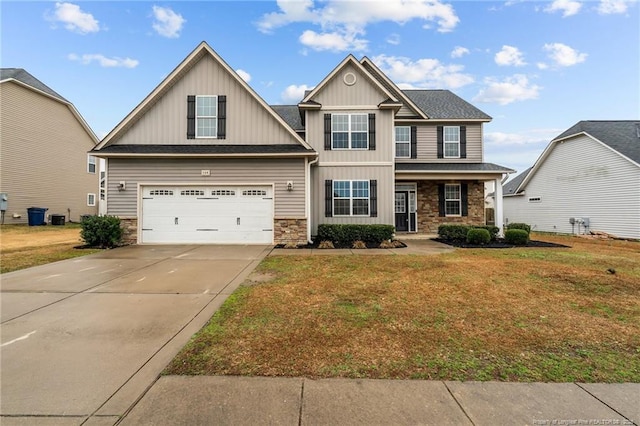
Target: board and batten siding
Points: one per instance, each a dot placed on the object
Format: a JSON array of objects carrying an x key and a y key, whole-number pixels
[
  {"x": 363, "y": 92},
  {"x": 385, "y": 193},
  {"x": 43, "y": 156},
  {"x": 581, "y": 178},
  {"x": 384, "y": 138},
  {"x": 247, "y": 121},
  {"x": 427, "y": 144},
  {"x": 287, "y": 204}
]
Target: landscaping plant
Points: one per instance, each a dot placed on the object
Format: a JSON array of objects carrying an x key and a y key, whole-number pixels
[{"x": 101, "y": 231}]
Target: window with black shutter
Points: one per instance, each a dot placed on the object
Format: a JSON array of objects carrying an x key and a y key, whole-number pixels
[
  {"x": 222, "y": 117},
  {"x": 414, "y": 142},
  {"x": 463, "y": 141},
  {"x": 373, "y": 196},
  {"x": 191, "y": 117},
  {"x": 372, "y": 132},
  {"x": 440, "y": 136},
  {"x": 328, "y": 198}
]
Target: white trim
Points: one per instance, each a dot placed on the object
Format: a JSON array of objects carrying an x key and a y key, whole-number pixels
[
  {"x": 395, "y": 141},
  {"x": 89, "y": 163},
  {"x": 351, "y": 198},
  {"x": 444, "y": 142},
  {"x": 89, "y": 196},
  {"x": 350, "y": 131},
  {"x": 356, "y": 164},
  {"x": 211, "y": 155},
  {"x": 354, "y": 108}
]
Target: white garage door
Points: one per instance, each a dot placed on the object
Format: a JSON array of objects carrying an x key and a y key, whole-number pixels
[{"x": 207, "y": 215}]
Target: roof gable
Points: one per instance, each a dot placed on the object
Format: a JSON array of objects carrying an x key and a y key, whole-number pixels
[
  {"x": 202, "y": 72},
  {"x": 511, "y": 187}
]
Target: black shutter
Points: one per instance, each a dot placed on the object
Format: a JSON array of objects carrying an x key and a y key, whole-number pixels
[
  {"x": 327, "y": 132},
  {"x": 441, "y": 212},
  {"x": 328, "y": 198},
  {"x": 463, "y": 141},
  {"x": 464, "y": 196},
  {"x": 414, "y": 142},
  {"x": 372, "y": 132},
  {"x": 440, "y": 142},
  {"x": 373, "y": 198},
  {"x": 222, "y": 117},
  {"x": 191, "y": 117}
]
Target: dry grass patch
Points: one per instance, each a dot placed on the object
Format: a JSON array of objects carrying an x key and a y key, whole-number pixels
[
  {"x": 23, "y": 246},
  {"x": 516, "y": 314}
]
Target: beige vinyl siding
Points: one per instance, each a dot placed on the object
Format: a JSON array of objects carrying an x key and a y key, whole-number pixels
[
  {"x": 384, "y": 138},
  {"x": 427, "y": 144},
  {"x": 363, "y": 92},
  {"x": 288, "y": 204},
  {"x": 43, "y": 156},
  {"x": 247, "y": 121},
  {"x": 581, "y": 178},
  {"x": 385, "y": 193}
]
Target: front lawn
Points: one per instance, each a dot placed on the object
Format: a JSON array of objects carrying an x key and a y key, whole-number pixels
[{"x": 522, "y": 314}]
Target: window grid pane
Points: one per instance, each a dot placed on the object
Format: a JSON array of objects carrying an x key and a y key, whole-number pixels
[
  {"x": 403, "y": 134},
  {"x": 359, "y": 123},
  {"x": 452, "y": 200},
  {"x": 340, "y": 123},
  {"x": 360, "y": 189},
  {"x": 358, "y": 140},
  {"x": 451, "y": 134},
  {"x": 207, "y": 127},
  {"x": 403, "y": 149},
  {"x": 361, "y": 207},
  {"x": 451, "y": 149}
]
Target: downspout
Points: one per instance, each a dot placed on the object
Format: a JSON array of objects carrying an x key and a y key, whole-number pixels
[{"x": 307, "y": 202}]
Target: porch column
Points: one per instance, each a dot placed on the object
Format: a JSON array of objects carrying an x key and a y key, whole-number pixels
[{"x": 497, "y": 202}]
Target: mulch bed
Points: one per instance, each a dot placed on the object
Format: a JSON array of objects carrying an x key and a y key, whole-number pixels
[
  {"x": 337, "y": 246},
  {"x": 500, "y": 243}
]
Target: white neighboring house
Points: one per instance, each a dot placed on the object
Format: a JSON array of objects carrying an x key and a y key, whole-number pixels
[{"x": 587, "y": 179}]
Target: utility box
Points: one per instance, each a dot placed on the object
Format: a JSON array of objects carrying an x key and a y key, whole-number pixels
[
  {"x": 4, "y": 200},
  {"x": 57, "y": 219}
]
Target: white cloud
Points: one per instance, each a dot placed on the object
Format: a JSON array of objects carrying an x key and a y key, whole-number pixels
[
  {"x": 567, "y": 7},
  {"x": 423, "y": 73},
  {"x": 563, "y": 55},
  {"x": 74, "y": 19},
  {"x": 509, "y": 55},
  {"x": 103, "y": 61},
  {"x": 244, "y": 75},
  {"x": 512, "y": 89},
  {"x": 542, "y": 66},
  {"x": 167, "y": 23},
  {"x": 610, "y": 7},
  {"x": 332, "y": 41},
  {"x": 393, "y": 39},
  {"x": 459, "y": 52},
  {"x": 527, "y": 137},
  {"x": 294, "y": 94}
]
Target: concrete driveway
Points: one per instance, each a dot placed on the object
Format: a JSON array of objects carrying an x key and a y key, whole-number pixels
[{"x": 83, "y": 339}]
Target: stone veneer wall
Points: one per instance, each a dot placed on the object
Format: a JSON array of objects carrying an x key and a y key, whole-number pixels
[
  {"x": 290, "y": 231},
  {"x": 428, "y": 211},
  {"x": 129, "y": 227}
]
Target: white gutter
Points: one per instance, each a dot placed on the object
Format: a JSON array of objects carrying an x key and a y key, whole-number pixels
[{"x": 307, "y": 201}]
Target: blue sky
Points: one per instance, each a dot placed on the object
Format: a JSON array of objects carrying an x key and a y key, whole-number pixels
[{"x": 536, "y": 67}]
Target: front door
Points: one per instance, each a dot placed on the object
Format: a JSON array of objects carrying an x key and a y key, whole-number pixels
[{"x": 402, "y": 211}]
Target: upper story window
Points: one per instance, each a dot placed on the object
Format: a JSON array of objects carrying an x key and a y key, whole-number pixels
[
  {"x": 91, "y": 164},
  {"x": 451, "y": 142},
  {"x": 403, "y": 142},
  {"x": 206, "y": 116},
  {"x": 349, "y": 131}
]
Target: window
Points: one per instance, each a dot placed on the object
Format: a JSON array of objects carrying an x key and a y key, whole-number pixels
[
  {"x": 91, "y": 200},
  {"x": 403, "y": 142},
  {"x": 351, "y": 198},
  {"x": 452, "y": 200},
  {"x": 254, "y": 193},
  {"x": 91, "y": 164},
  {"x": 206, "y": 116},
  {"x": 535, "y": 199},
  {"x": 189, "y": 192},
  {"x": 161, "y": 192},
  {"x": 223, "y": 192},
  {"x": 349, "y": 131},
  {"x": 451, "y": 142}
]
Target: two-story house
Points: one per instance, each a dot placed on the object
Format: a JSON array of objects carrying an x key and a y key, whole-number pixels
[{"x": 203, "y": 159}]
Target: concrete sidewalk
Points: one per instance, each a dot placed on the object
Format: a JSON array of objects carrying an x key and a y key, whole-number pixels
[{"x": 222, "y": 400}]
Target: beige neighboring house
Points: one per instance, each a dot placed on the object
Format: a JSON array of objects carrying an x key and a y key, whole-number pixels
[
  {"x": 44, "y": 143},
  {"x": 204, "y": 159}
]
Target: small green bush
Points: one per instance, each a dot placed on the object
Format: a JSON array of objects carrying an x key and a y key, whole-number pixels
[
  {"x": 493, "y": 231},
  {"x": 523, "y": 226},
  {"x": 101, "y": 231},
  {"x": 518, "y": 237},
  {"x": 453, "y": 232},
  {"x": 348, "y": 234},
  {"x": 478, "y": 236}
]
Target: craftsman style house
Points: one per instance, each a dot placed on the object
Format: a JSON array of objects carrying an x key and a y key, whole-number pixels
[{"x": 203, "y": 159}]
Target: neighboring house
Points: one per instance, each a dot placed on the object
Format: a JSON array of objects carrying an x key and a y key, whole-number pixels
[
  {"x": 43, "y": 151},
  {"x": 204, "y": 159},
  {"x": 587, "y": 179}
]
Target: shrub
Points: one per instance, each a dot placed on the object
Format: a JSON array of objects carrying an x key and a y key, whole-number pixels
[
  {"x": 518, "y": 237},
  {"x": 348, "y": 234},
  {"x": 101, "y": 231},
  {"x": 523, "y": 226},
  {"x": 478, "y": 236},
  {"x": 453, "y": 232},
  {"x": 493, "y": 231}
]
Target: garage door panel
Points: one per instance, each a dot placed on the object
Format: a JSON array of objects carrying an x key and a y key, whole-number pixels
[{"x": 207, "y": 215}]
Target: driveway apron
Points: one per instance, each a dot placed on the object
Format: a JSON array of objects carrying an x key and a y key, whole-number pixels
[{"x": 83, "y": 339}]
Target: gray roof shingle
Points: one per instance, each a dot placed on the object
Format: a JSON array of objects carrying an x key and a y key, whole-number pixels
[
  {"x": 453, "y": 167},
  {"x": 621, "y": 135},
  {"x": 510, "y": 187},
  {"x": 205, "y": 149},
  {"x": 26, "y": 78},
  {"x": 443, "y": 104},
  {"x": 291, "y": 115}
]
